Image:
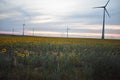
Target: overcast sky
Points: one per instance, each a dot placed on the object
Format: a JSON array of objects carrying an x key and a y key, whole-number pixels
[{"x": 52, "y": 17}]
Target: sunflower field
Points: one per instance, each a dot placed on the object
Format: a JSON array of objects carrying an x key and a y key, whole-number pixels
[{"x": 46, "y": 58}]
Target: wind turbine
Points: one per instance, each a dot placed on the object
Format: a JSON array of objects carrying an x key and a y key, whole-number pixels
[
  {"x": 23, "y": 27},
  {"x": 104, "y": 11},
  {"x": 33, "y": 31},
  {"x": 12, "y": 31},
  {"x": 67, "y": 31}
]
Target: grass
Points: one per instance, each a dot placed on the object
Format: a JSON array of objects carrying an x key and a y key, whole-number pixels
[{"x": 59, "y": 58}]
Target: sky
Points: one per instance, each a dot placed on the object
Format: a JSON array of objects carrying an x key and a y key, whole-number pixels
[{"x": 52, "y": 17}]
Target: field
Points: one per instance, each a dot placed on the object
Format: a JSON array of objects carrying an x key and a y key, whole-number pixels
[{"x": 43, "y": 58}]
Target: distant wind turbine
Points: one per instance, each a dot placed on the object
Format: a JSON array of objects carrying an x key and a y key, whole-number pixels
[
  {"x": 12, "y": 31},
  {"x": 67, "y": 31},
  {"x": 23, "y": 27},
  {"x": 33, "y": 31},
  {"x": 104, "y": 11}
]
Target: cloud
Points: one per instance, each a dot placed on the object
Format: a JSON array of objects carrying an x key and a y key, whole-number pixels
[
  {"x": 2, "y": 2},
  {"x": 56, "y": 15}
]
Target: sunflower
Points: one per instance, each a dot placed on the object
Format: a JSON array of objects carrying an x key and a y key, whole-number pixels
[
  {"x": 26, "y": 52},
  {"x": 4, "y": 50},
  {"x": 21, "y": 55}
]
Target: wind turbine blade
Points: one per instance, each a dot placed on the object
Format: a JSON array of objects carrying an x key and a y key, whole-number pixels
[
  {"x": 99, "y": 7},
  {"x": 107, "y": 12},
  {"x": 107, "y": 3}
]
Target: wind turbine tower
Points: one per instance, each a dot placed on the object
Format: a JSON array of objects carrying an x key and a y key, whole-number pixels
[
  {"x": 23, "y": 27},
  {"x": 104, "y": 12},
  {"x": 33, "y": 31},
  {"x": 12, "y": 31},
  {"x": 67, "y": 31}
]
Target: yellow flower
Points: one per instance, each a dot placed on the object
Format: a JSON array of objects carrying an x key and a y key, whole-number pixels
[
  {"x": 21, "y": 55},
  {"x": 26, "y": 52},
  {"x": 4, "y": 50}
]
